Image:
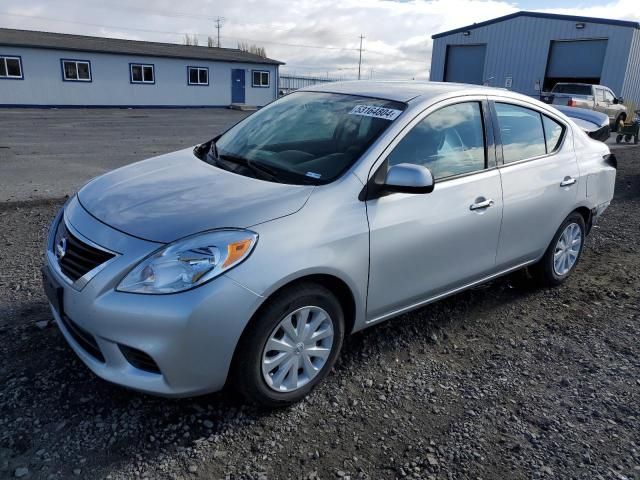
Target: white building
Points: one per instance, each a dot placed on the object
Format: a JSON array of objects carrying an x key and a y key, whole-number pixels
[{"x": 43, "y": 69}]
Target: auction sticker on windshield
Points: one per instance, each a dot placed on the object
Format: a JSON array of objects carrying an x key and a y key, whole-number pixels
[{"x": 375, "y": 112}]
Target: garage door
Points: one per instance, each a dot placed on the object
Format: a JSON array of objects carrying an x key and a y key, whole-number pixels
[
  {"x": 579, "y": 60},
  {"x": 465, "y": 64}
]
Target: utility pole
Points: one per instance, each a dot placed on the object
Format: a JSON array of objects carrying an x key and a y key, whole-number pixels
[
  {"x": 219, "y": 22},
  {"x": 360, "y": 59}
]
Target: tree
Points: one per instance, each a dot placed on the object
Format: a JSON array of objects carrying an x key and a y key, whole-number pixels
[
  {"x": 210, "y": 41},
  {"x": 190, "y": 39},
  {"x": 251, "y": 48}
]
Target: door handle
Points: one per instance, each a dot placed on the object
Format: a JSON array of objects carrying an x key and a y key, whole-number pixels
[
  {"x": 568, "y": 181},
  {"x": 481, "y": 205}
]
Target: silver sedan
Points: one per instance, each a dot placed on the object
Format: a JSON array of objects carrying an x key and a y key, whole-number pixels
[{"x": 247, "y": 259}]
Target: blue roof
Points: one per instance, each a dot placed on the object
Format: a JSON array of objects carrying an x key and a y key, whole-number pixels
[{"x": 552, "y": 16}]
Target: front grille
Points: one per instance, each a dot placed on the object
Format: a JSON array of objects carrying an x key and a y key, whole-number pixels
[
  {"x": 78, "y": 258},
  {"x": 83, "y": 338},
  {"x": 139, "y": 359}
]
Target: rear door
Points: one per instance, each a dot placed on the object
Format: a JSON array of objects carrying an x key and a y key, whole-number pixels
[
  {"x": 539, "y": 179},
  {"x": 423, "y": 245}
]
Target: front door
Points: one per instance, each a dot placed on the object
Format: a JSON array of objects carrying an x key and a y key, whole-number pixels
[
  {"x": 237, "y": 86},
  {"x": 423, "y": 245},
  {"x": 601, "y": 102}
]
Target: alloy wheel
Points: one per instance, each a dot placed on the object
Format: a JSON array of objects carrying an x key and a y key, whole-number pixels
[{"x": 567, "y": 249}]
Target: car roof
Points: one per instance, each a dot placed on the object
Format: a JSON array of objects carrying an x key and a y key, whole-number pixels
[{"x": 401, "y": 91}]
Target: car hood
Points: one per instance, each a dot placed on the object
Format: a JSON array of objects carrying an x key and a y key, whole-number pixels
[{"x": 175, "y": 195}]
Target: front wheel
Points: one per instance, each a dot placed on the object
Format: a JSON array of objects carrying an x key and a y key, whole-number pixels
[
  {"x": 289, "y": 347},
  {"x": 563, "y": 253}
]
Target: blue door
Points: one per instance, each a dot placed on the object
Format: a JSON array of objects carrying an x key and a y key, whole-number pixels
[{"x": 237, "y": 86}]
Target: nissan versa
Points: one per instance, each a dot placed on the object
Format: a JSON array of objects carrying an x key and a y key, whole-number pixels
[{"x": 247, "y": 259}]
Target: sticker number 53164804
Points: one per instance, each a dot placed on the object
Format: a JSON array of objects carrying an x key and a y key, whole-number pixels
[{"x": 376, "y": 112}]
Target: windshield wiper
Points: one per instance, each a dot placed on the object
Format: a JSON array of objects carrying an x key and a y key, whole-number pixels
[{"x": 255, "y": 168}]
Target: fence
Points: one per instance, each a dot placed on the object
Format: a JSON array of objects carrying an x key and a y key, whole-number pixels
[{"x": 290, "y": 83}]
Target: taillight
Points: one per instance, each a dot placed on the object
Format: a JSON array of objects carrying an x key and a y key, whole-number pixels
[{"x": 571, "y": 103}]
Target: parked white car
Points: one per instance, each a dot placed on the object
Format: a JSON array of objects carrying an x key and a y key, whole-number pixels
[{"x": 248, "y": 259}]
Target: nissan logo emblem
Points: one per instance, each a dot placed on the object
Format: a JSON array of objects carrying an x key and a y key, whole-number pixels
[{"x": 61, "y": 248}]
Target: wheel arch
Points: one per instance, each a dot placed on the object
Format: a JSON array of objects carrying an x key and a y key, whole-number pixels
[
  {"x": 587, "y": 215},
  {"x": 333, "y": 283}
]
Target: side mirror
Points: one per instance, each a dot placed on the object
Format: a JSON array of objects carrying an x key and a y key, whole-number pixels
[
  {"x": 409, "y": 178},
  {"x": 618, "y": 100}
]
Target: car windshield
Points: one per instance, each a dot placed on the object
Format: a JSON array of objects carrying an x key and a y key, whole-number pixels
[
  {"x": 306, "y": 137},
  {"x": 572, "y": 89}
]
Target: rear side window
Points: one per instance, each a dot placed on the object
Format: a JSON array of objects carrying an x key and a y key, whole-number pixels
[
  {"x": 449, "y": 142},
  {"x": 553, "y": 132},
  {"x": 521, "y": 132},
  {"x": 572, "y": 89}
]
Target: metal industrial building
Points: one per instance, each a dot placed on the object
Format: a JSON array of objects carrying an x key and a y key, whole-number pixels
[
  {"x": 528, "y": 52},
  {"x": 52, "y": 69}
]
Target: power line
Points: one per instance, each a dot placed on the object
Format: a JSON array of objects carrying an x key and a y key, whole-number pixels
[
  {"x": 360, "y": 56},
  {"x": 167, "y": 32},
  {"x": 154, "y": 11},
  {"x": 172, "y": 32},
  {"x": 171, "y": 14}
]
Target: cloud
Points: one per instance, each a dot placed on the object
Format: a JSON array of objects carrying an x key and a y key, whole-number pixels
[{"x": 318, "y": 37}]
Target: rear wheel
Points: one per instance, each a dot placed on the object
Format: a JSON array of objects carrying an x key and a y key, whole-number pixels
[
  {"x": 563, "y": 253},
  {"x": 290, "y": 347}
]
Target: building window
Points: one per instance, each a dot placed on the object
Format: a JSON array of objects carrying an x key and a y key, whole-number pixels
[
  {"x": 198, "y": 75},
  {"x": 141, "y": 73},
  {"x": 11, "y": 67},
  {"x": 260, "y": 78},
  {"x": 76, "y": 70}
]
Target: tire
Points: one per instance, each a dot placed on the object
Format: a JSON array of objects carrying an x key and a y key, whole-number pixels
[
  {"x": 248, "y": 376},
  {"x": 545, "y": 272},
  {"x": 618, "y": 138}
]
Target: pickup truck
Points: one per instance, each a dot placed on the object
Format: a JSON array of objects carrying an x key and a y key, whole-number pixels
[{"x": 590, "y": 97}]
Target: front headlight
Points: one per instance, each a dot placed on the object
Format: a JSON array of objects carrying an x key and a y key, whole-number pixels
[{"x": 189, "y": 262}]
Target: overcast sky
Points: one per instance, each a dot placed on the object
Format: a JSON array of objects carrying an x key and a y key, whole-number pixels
[{"x": 318, "y": 37}]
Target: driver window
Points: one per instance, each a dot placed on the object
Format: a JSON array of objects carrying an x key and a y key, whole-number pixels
[
  {"x": 448, "y": 142},
  {"x": 608, "y": 96}
]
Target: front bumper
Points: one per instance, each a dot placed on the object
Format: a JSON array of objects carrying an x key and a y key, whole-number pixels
[{"x": 190, "y": 336}]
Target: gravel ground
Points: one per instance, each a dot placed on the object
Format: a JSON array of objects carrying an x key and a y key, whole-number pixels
[{"x": 503, "y": 381}]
